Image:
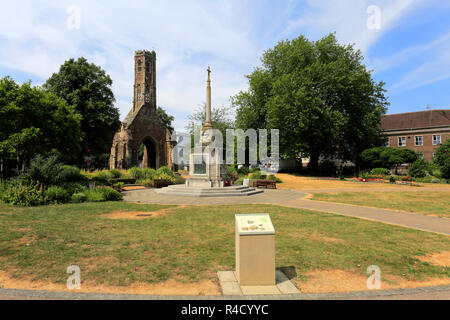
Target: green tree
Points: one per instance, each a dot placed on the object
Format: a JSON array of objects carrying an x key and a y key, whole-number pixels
[
  {"x": 220, "y": 119},
  {"x": 320, "y": 96},
  {"x": 387, "y": 157},
  {"x": 165, "y": 118},
  {"x": 419, "y": 168},
  {"x": 33, "y": 121},
  {"x": 442, "y": 159},
  {"x": 87, "y": 87}
]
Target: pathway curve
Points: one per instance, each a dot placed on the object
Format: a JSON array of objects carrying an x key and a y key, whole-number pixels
[{"x": 291, "y": 198}]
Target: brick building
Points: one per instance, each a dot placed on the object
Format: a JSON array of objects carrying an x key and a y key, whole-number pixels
[
  {"x": 142, "y": 128},
  {"x": 421, "y": 131}
]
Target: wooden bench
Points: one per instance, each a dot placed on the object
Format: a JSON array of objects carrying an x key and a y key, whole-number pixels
[
  {"x": 268, "y": 184},
  {"x": 162, "y": 183}
]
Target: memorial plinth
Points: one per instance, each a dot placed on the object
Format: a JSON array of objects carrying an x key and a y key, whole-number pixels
[{"x": 255, "y": 250}]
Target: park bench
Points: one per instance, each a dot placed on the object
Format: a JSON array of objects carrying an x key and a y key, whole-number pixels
[
  {"x": 162, "y": 183},
  {"x": 268, "y": 184}
]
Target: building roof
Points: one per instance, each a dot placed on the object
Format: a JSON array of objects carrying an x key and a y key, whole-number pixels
[{"x": 416, "y": 120}]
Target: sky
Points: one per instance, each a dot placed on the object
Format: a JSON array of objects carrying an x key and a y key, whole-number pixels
[{"x": 405, "y": 42}]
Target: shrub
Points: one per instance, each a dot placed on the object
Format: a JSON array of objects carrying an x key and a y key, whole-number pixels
[
  {"x": 272, "y": 177},
  {"x": 392, "y": 179},
  {"x": 148, "y": 173},
  {"x": 115, "y": 174},
  {"x": 380, "y": 172},
  {"x": 240, "y": 181},
  {"x": 78, "y": 197},
  {"x": 232, "y": 173},
  {"x": 23, "y": 194},
  {"x": 102, "y": 176},
  {"x": 442, "y": 159},
  {"x": 149, "y": 183},
  {"x": 436, "y": 180},
  {"x": 253, "y": 170},
  {"x": 179, "y": 180},
  {"x": 72, "y": 174},
  {"x": 136, "y": 173},
  {"x": 46, "y": 171},
  {"x": 257, "y": 175},
  {"x": 56, "y": 194},
  {"x": 165, "y": 170},
  {"x": 243, "y": 171},
  {"x": 164, "y": 176},
  {"x": 94, "y": 195},
  {"x": 366, "y": 176},
  {"x": 418, "y": 168},
  {"x": 109, "y": 194},
  {"x": 73, "y": 187},
  {"x": 103, "y": 194}
]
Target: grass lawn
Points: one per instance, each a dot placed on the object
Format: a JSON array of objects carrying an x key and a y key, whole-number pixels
[
  {"x": 426, "y": 202},
  {"x": 192, "y": 243}
]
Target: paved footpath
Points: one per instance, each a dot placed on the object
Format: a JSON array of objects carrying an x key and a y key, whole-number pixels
[
  {"x": 291, "y": 198},
  {"x": 426, "y": 293},
  {"x": 404, "y": 219}
]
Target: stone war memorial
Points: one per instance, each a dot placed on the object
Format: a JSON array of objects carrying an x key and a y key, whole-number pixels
[
  {"x": 142, "y": 128},
  {"x": 207, "y": 171}
]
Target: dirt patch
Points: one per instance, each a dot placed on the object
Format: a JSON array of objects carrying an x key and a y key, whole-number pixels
[
  {"x": 133, "y": 188},
  {"x": 439, "y": 259},
  {"x": 25, "y": 240},
  {"x": 139, "y": 215},
  {"x": 320, "y": 281},
  {"x": 169, "y": 287}
]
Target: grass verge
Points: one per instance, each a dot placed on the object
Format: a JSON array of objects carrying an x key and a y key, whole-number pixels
[
  {"x": 425, "y": 202},
  {"x": 191, "y": 243}
]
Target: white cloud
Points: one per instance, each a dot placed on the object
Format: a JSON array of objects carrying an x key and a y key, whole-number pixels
[
  {"x": 387, "y": 63},
  {"x": 349, "y": 19},
  {"x": 434, "y": 70}
]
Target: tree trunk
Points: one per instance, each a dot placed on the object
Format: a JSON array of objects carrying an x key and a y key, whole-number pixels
[{"x": 313, "y": 164}]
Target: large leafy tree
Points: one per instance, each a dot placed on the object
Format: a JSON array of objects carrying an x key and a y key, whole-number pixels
[
  {"x": 319, "y": 95},
  {"x": 33, "y": 121},
  {"x": 87, "y": 87}
]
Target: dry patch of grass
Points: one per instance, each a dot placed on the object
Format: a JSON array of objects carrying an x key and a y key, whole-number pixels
[
  {"x": 293, "y": 182},
  {"x": 425, "y": 202},
  {"x": 324, "y": 281},
  {"x": 139, "y": 215},
  {"x": 169, "y": 287},
  {"x": 438, "y": 259}
]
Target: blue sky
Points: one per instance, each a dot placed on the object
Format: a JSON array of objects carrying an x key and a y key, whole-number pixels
[{"x": 410, "y": 51}]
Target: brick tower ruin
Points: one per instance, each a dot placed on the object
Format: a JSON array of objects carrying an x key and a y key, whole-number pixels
[{"x": 142, "y": 126}]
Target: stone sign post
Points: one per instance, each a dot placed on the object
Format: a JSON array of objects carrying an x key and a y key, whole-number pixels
[{"x": 255, "y": 250}]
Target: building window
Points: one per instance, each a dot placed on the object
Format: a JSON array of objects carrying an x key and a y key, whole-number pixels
[
  {"x": 147, "y": 95},
  {"x": 420, "y": 154},
  {"x": 388, "y": 142},
  {"x": 139, "y": 93},
  {"x": 418, "y": 140},
  {"x": 139, "y": 66},
  {"x": 436, "y": 139},
  {"x": 402, "y": 141}
]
